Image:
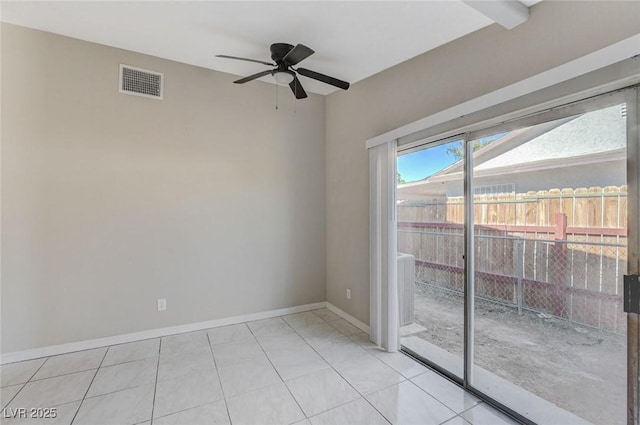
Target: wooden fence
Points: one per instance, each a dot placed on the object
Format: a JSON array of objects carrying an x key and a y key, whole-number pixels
[
  {"x": 565, "y": 248},
  {"x": 585, "y": 208}
]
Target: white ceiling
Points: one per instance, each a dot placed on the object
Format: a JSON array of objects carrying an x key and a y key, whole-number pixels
[{"x": 353, "y": 40}]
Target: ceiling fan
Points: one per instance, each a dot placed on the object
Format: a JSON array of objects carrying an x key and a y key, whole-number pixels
[{"x": 285, "y": 57}]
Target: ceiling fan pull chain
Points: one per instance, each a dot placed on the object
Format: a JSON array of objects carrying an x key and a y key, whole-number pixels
[{"x": 276, "y": 96}]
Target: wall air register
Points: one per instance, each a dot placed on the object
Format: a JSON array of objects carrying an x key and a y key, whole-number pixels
[{"x": 140, "y": 82}]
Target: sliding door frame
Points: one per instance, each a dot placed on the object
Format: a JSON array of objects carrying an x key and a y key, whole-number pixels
[
  {"x": 630, "y": 96},
  {"x": 633, "y": 256}
]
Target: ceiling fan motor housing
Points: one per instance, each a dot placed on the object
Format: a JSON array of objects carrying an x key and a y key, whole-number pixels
[{"x": 279, "y": 51}]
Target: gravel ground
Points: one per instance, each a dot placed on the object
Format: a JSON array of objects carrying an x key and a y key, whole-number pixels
[{"x": 578, "y": 368}]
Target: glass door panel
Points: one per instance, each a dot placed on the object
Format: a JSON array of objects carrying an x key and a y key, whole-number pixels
[
  {"x": 430, "y": 261},
  {"x": 550, "y": 251}
]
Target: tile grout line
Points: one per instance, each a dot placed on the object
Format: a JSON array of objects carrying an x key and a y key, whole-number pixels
[
  {"x": 452, "y": 418},
  {"x": 114, "y": 391},
  {"x": 274, "y": 367},
  {"x": 466, "y": 410},
  {"x": 86, "y": 370},
  {"x": 121, "y": 389},
  {"x": 15, "y": 395},
  {"x": 339, "y": 374},
  {"x": 405, "y": 379},
  {"x": 435, "y": 398},
  {"x": 100, "y": 367},
  {"x": 409, "y": 378},
  {"x": 38, "y": 370},
  {"x": 442, "y": 402},
  {"x": 221, "y": 387},
  {"x": 326, "y": 321},
  {"x": 155, "y": 385},
  {"x": 459, "y": 415},
  {"x": 215, "y": 365},
  {"x": 89, "y": 387},
  {"x": 248, "y": 361},
  {"x": 62, "y": 374},
  {"x": 183, "y": 410},
  {"x": 128, "y": 361},
  {"x": 330, "y": 365},
  {"x": 25, "y": 383},
  {"x": 398, "y": 383},
  {"x": 339, "y": 405},
  {"x": 89, "y": 349}
]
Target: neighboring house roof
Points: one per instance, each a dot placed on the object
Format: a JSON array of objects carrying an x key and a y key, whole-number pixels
[
  {"x": 589, "y": 138},
  {"x": 593, "y": 133}
]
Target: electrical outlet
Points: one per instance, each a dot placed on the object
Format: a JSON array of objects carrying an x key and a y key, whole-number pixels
[
  {"x": 348, "y": 294},
  {"x": 162, "y": 304}
]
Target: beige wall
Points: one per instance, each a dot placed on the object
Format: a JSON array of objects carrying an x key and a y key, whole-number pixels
[
  {"x": 557, "y": 32},
  {"x": 209, "y": 198}
]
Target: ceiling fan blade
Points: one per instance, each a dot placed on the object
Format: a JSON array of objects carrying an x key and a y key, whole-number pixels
[
  {"x": 245, "y": 59},
  {"x": 324, "y": 78},
  {"x": 297, "y": 89},
  {"x": 297, "y": 54},
  {"x": 253, "y": 77}
]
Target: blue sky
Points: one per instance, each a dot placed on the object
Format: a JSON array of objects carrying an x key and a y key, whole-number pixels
[{"x": 425, "y": 162}]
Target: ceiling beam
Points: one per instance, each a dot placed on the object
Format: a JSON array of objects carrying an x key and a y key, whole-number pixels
[{"x": 508, "y": 13}]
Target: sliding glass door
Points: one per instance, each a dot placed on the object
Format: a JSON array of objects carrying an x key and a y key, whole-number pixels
[
  {"x": 431, "y": 243},
  {"x": 531, "y": 319}
]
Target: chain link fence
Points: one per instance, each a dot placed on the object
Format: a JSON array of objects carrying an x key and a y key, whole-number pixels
[{"x": 578, "y": 278}]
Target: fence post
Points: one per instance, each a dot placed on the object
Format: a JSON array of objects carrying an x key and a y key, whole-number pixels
[
  {"x": 561, "y": 226},
  {"x": 559, "y": 252},
  {"x": 519, "y": 273}
]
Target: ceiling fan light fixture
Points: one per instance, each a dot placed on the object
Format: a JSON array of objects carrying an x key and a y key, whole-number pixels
[
  {"x": 285, "y": 57},
  {"x": 283, "y": 77}
]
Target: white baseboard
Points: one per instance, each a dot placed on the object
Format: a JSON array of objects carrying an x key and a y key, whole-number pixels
[
  {"x": 349, "y": 318},
  {"x": 53, "y": 350}
]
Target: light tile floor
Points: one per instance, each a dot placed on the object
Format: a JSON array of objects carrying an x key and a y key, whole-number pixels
[{"x": 306, "y": 368}]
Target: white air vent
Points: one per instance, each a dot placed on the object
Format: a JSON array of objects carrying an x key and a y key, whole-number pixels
[{"x": 140, "y": 82}]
